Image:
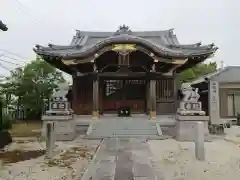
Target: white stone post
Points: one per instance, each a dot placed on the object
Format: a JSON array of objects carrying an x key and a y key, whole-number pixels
[
  {"x": 199, "y": 141},
  {"x": 214, "y": 102},
  {"x": 50, "y": 142}
]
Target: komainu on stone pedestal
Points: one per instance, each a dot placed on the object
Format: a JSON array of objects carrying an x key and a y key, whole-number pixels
[
  {"x": 189, "y": 105},
  {"x": 61, "y": 115}
]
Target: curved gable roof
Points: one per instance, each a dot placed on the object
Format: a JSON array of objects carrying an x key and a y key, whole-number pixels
[{"x": 163, "y": 43}]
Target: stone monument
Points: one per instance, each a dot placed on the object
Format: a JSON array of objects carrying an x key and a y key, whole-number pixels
[
  {"x": 61, "y": 115},
  {"x": 189, "y": 113}
]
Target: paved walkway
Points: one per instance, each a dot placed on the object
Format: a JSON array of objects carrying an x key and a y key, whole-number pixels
[{"x": 123, "y": 159}]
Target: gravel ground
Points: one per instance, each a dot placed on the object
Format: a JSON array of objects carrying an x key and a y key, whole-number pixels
[
  {"x": 71, "y": 159},
  {"x": 178, "y": 162},
  {"x": 175, "y": 159}
]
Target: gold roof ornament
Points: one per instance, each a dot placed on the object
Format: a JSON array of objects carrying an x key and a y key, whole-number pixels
[
  {"x": 179, "y": 61},
  {"x": 69, "y": 62},
  {"x": 124, "y": 47}
]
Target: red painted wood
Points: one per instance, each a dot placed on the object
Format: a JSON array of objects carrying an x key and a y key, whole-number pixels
[{"x": 113, "y": 105}]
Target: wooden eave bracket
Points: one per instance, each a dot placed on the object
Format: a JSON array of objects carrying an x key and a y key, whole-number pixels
[
  {"x": 177, "y": 63},
  {"x": 211, "y": 55}
]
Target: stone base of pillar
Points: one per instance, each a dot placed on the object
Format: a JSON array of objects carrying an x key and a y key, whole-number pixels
[
  {"x": 186, "y": 127},
  {"x": 152, "y": 115},
  {"x": 64, "y": 126},
  {"x": 95, "y": 115}
]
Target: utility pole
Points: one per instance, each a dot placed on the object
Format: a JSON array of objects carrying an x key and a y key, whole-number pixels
[
  {"x": 3, "y": 27},
  {"x": 1, "y": 109}
]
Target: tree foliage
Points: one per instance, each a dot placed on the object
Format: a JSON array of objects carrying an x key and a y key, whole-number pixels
[
  {"x": 30, "y": 86},
  {"x": 197, "y": 71}
]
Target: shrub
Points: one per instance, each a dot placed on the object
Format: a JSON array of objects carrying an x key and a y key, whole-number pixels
[{"x": 6, "y": 121}]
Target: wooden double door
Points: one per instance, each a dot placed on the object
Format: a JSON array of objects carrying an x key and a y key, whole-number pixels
[{"x": 120, "y": 93}]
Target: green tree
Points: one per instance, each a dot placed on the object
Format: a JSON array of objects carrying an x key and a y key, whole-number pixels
[
  {"x": 197, "y": 71},
  {"x": 31, "y": 85},
  {"x": 10, "y": 88}
]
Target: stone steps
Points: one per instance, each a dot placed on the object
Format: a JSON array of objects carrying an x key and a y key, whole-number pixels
[
  {"x": 123, "y": 128},
  {"x": 149, "y": 137}
]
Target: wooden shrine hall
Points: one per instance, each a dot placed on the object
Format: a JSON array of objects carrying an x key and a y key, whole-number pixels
[{"x": 134, "y": 69}]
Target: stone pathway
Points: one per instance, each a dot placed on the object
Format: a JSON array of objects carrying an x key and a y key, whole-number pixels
[{"x": 123, "y": 159}]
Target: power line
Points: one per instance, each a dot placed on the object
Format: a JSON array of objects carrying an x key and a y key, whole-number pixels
[
  {"x": 15, "y": 54},
  {"x": 21, "y": 4},
  {"x": 4, "y": 67},
  {"x": 10, "y": 62},
  {"x": 14, "y": 59},
  {"x": 25, "y": 12}
]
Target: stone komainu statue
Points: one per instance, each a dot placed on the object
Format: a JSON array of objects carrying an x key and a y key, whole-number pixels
[
  {"x": 189, "y": 104},
  {"x": 189, "y": 93}
]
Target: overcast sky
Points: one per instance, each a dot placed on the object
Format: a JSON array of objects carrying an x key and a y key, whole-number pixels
[{"x": 33, "y": 22}]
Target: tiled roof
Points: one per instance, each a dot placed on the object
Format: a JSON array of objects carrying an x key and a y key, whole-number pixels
[
  {"x": 211, "y": 76},
  {"x": 162, "y": 42}
]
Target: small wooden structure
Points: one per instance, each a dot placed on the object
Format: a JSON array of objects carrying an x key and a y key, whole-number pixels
[{"x": 136, "y": 69}]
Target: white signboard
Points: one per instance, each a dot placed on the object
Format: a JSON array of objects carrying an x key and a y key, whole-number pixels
[{"x": 192, "y": 106}]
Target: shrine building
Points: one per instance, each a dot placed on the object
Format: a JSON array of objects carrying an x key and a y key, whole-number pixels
[{"x": 135, "y": 69}]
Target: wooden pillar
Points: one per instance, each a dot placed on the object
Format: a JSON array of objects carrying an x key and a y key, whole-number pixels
[
  {"x": 152, "y": 96},
  {"x": 100, "y": 97},
  {"x": 74, "y": 103},
  {"x": 176, "y": 87},
  {"x": 148, "y": 97},
  {"x": 95, "y": 112}
]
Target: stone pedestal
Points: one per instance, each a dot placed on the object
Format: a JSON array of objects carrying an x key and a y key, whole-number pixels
[
  {"x": 190, "y": 108},
  {"x": 62, "y": 117},
  {"x": 189, "y": 113},
  {"x": 186, "y": 127},
  {"x": 64, "y": 126}
]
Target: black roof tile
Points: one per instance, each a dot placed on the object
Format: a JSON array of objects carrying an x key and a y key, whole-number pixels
[{"x": 161, "y": 42}]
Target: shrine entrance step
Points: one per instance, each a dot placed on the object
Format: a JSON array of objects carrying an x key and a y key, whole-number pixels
[{"x": 126, "y": 127}]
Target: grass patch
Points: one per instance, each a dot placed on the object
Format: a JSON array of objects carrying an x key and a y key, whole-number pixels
[
  {"x": 18, "y": 155},
  {"x": 26, "y": 129},
  {"x": 69, "y": 157}
]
